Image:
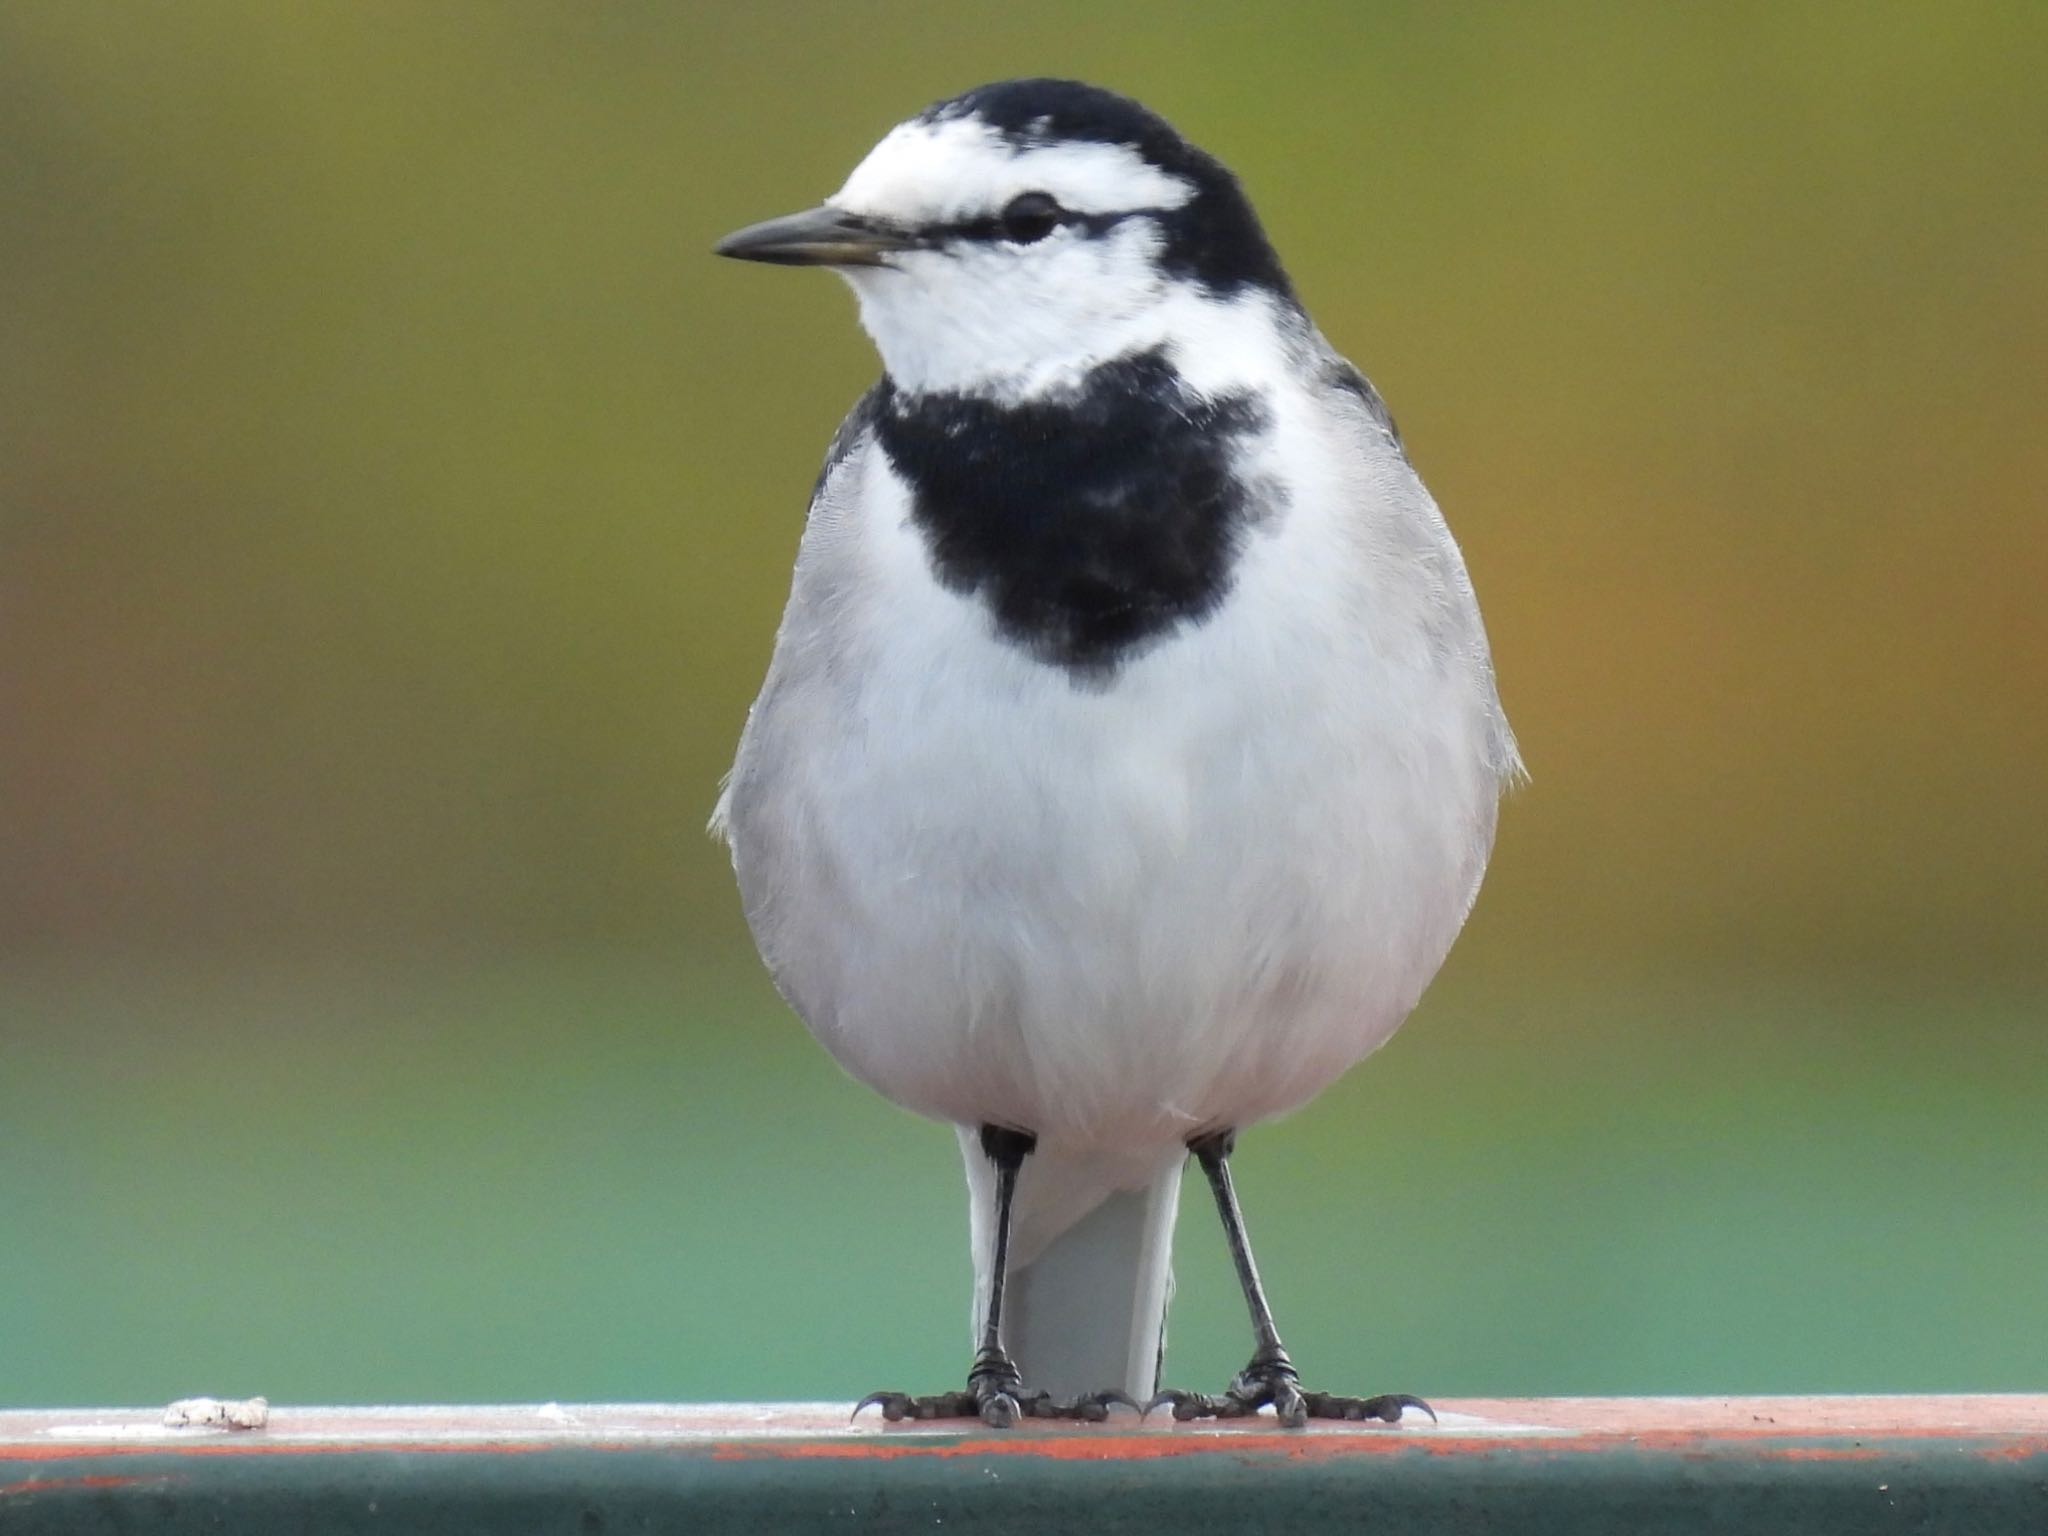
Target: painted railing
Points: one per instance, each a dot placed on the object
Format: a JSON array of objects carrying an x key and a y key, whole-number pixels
[{"x": 1582, "y": 1466}]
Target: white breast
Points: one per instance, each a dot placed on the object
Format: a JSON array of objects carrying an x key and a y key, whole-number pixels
[{"x": 1117, "y": 916}]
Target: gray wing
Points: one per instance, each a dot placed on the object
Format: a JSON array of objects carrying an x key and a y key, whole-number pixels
[
  {"x": 1343, "y": 374},
  {"x": 859, "y": 422},
  {"x": 802, "y": 642},
  {"x": 1417, "y": 535}
]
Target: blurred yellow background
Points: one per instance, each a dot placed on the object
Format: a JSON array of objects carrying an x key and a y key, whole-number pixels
[{"x": 396, "y": 501}]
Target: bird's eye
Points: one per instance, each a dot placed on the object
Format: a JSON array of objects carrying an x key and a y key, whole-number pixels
[{"x": 1030, "y": 216}]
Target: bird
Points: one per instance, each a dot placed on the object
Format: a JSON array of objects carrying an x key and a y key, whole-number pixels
[{"x": 1130, "y": 752}]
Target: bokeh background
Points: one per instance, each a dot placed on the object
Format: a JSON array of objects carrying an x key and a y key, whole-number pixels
[{"x": 396, "y": 501}]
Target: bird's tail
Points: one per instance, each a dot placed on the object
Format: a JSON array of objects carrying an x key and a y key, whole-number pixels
[{"x": 1091, "y": 1269}]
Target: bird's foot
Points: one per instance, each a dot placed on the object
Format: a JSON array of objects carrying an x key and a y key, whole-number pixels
[
  {"x": 1270, "y": 1378},
  {"x": 996, "y": 1395}
]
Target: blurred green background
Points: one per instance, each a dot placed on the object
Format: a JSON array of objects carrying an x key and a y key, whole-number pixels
[{"x": 395, "y": 505}]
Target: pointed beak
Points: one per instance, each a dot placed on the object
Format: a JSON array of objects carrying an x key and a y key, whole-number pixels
[{"x": 818, "y": 237}]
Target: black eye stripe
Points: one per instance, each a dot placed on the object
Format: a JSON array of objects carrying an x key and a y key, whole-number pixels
[{"x": 990, "y": 229}]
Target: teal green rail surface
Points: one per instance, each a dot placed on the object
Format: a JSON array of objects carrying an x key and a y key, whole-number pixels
[{"x": 1585, "y": 1466}]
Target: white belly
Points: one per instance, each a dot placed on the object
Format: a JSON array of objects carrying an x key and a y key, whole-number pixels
[{"x": 1113, "y": 916}]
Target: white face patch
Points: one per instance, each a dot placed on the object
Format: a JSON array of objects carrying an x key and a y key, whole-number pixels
[
  {"x": 942, "y": 173},
  {"x": 1003, "y": 318}
]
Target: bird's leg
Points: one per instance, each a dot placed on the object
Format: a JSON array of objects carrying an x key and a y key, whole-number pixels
[
  {"x": 1270, "y": 1376},
  {"x": 995, "y": 1392},
  {"x": 993, "y": 1379}
]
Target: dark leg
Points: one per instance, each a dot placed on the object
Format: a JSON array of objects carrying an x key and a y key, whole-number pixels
[
  {"x": 995, "y": 1393},
  {"x": 993, "y": 1378},
  {"x": 1270, "y": 1377}
]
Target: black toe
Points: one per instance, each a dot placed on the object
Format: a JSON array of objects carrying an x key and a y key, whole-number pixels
[{"x": 1270, "y": 1379}]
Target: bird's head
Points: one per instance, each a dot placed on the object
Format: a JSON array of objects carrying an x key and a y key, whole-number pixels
[{"x": 1005, "y": 241}]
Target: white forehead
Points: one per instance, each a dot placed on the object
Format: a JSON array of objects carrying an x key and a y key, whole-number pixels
[{"x": 961, "y": 168}]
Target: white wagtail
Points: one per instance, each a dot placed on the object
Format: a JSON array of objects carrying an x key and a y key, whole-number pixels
[{"x": 1130, "y": 753}]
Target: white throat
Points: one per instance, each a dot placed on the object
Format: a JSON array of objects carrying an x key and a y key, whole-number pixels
[{"x": 941, "y": 328}]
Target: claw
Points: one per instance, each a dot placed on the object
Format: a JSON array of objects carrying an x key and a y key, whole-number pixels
[
  {"x": 886, "y": 1401},
  {"x": 1387, "y": 1408},
  {"x": 898, "y": 1406}
]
